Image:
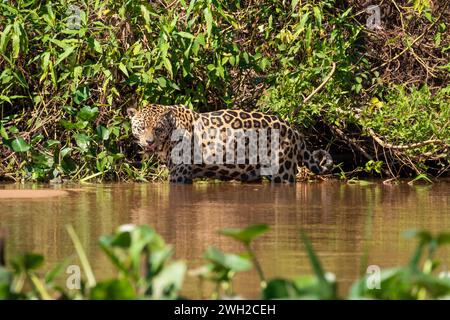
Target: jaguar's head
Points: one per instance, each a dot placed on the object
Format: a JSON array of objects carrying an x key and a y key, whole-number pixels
[{"x": 152, "y": 126}]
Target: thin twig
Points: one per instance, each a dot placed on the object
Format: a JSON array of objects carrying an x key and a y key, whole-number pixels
[
  {"x": 297, "y": 110},
  {"x": 411, "y": 44},
  {"x": 352, "y": 142}
]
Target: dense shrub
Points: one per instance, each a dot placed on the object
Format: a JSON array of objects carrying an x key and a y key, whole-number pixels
[{"x": 68, "y": 70}]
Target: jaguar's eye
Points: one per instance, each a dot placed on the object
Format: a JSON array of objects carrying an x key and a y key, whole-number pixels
[{"x": 158, "y": 131}]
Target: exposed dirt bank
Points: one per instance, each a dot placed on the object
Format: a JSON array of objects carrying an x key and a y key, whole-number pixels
[{"x": 31, "y": 194}]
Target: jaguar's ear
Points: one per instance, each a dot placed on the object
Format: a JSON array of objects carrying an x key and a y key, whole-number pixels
[{"x": 131, "y": 112}]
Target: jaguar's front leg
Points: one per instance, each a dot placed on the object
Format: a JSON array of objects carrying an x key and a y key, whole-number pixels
[{"x": 181, "y": 173}]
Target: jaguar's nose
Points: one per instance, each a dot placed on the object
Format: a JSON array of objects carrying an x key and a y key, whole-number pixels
[{"x": 150, "y": 141}]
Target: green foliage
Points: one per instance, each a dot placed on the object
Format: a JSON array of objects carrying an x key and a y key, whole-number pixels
[
  {"x": 67, "y": 76},
  {"x": 245, "y": 235},
  {"x": 138, "y": 253},
  {"x": 83, "y": 74},
  {"x": 320, "y": 286},
  {"x": 146, "y": 271},
  {"x": 142, "y": 259},
  {"x": 421, "y": 177},
  {"x": 372, "y": 165},
  {"x": 222, "y": 267},
  {"x": 23, "y": 282},
  {"x": 305, "y": 49},
  {"x": 406, "y": 116},
  {"x": 226, "y": 263},
  {"x": 116, "y": 289},
  {"x": 413, "y": 281}
]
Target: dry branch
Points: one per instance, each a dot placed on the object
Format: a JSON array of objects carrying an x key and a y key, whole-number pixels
[{"x": 405, "y": 146}]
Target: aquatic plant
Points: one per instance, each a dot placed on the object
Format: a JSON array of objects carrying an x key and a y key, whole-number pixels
[{"x": 145, "y": 270}]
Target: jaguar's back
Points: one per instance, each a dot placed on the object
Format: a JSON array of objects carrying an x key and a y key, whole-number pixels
[{"x": 225, "y": 144}]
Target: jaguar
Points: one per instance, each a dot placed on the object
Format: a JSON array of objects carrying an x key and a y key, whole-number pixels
[{"x": 192, "y": 144}]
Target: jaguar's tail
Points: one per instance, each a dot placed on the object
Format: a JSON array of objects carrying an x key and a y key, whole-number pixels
[{"x": 319, "y": 161}]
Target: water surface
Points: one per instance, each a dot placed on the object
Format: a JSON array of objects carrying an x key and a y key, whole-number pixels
[{"x": 342, "y": 220}]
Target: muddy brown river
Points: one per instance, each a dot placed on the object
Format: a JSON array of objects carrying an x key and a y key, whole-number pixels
[{"x": 342, "y": 220}]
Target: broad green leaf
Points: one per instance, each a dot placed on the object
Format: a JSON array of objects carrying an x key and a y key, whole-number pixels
[
  {"x": 28, "y": 261},
  {"x": 245, "y": 235},
  {"x": 394, "y": 282},
  {"x": 105, "y": 243},
  {"x": 95, "y": 45},
  {"x": 169, "y": 281},
  {"x": 168, "y": 66},
  {"x": 14, "y": 130},
  {"x": 5, "y": 98},
  {"x": 162, "y": 82},
  {"x": 144, "y": 239},
  {"x": 264, "y": 63},
  {"x": 123, "y": 68},
  {"x": 318, "y": 16},
  {"x": 82, "y": 141},
  {"x": 52, "y": 73},
  {"x": 3, "y": 132},
  {"x": 67, "y": 52},
  {"x": 64, "y": 152},
  {"x": 87, "y": 113},
  {"x": 132, "y": 242},
  {"x": 443, "y": 238},
  {"x": 77, "y": 125},
  {"x": 303, "y": 21},
  {"x": 77, "y": 72},
  {"x": 37, "y": 138},
  {"x": 246, "y": 57},
  {"x": 145, "y": 13},
  {"x": 4, "y": 38},
  {"x": 81, "y": 94},
  {"x": 186, "y": 35},
  {"x": 227, "y": 260},
  {"x": 121, "y": 240},
  {"x": 209, "y": 20},
  {"x": 116, "y": 289},
  {"x": 220, "y": 72},
  {"x": 42, "y": 159},
  {"x": 158, "y": 258},
  {"x": 280, "y": 289},
  {"x": 103, "y": 133},
  {"x": 20, "y": 145},
  {"x": 45, "y": 61},
  {"x": 15, "y": 45},
  {"x": 51, "y": 143}
]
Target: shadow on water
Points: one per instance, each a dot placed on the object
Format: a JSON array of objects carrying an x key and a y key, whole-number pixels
[{"x": 343, "y": 221}]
